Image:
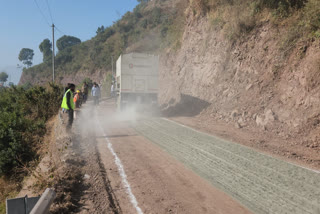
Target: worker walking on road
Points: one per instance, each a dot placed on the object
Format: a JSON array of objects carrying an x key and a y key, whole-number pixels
[
  {"x": 95, "y": 92},
  {"x": 68, "y": 104},
  {"x": 112, "y": 91},
  {"x": 76, "y": 99},
  {"x": 85, "y": 92}
]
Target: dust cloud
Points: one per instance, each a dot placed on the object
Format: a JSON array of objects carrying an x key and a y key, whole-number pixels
[{"x": 90, "y": 119}]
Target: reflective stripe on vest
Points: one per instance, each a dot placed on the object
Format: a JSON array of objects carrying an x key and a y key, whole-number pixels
[{"x": 64, "y": 100}]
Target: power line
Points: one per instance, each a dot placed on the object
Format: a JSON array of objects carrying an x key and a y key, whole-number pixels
[
  {"x": 44, "y": 17},
  {"x": 63, "y": 33},
  {"x": 49, "y": 10}
]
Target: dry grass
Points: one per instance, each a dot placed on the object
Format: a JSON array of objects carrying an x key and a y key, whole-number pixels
[
  {"x": 236, "y": 19},
  {"x": 8, "y": 189}
]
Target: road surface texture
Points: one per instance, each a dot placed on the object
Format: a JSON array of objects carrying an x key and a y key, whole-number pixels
[
  {"x": 154, "y": 165},
  {"x": 146, "y": 179},
  {"x": 261, "y": 183}
]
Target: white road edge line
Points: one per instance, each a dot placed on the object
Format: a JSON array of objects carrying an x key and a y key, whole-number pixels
[
  {"x": 296, "y": 165},
  {"x": 123, "y": 175}
]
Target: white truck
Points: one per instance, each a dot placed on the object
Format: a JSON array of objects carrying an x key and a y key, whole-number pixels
[{"x": 137, "y": 79}]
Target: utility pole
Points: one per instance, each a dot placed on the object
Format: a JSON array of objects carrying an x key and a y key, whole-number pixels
[{"x": 53, "y": 53}]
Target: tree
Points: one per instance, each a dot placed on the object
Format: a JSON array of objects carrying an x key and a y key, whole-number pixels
[
  {"x": 156, "y": 16},
  {"x": 45, "y": 48},
  {"x": 143, "y": 1},
  {"x": 3, "y": 76},
  {"x": 100, "y": 30},
  {"x": 26, "y": 56},
  {"x": 67, "y": 41}
]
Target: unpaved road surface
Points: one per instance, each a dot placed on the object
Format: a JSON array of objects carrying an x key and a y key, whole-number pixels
[
  {"x": 153, "y": 165},
  {"x": 261, "y": 183},
  {"x": 149, "y": 180}
]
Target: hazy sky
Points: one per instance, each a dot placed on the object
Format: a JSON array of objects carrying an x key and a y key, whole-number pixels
[{"x": 23, "y": 26}]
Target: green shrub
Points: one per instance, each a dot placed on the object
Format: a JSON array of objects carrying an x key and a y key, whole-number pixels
[
  {"x": 312, "y": 15},
  {"x": 23, "y": 115},
  {"x": 144, "y": 23},
  {"x": 156, "y": 16},
  {"x": 274, "y": 4}
]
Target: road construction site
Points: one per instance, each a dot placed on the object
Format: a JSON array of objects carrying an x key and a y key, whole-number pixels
[
  {"x": 155, "y": 165},
  {"x": 262, "y": 183}
]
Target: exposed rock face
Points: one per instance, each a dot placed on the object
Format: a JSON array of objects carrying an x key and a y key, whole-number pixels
[{"x": 280, "y": 92}]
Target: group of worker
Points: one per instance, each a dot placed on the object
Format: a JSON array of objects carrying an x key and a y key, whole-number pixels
[{"x": 72, "y": 99}]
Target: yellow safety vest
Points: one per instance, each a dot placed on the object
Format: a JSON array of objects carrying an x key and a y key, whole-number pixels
[{"x": 64, "y": 100}]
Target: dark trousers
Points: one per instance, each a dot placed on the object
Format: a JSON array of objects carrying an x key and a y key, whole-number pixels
[
  {"x": 85, "y": 96},
  {"x": 70, "y": 121}
]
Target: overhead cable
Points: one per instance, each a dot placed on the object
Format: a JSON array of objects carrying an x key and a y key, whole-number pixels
[
  {"x": 44, "y": 17},
  {"x": 49, "y": 10},
  {"x": 60, "y": 31}
]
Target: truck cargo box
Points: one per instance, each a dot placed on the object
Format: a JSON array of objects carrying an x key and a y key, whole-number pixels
[{"x": 137, "y": 79}]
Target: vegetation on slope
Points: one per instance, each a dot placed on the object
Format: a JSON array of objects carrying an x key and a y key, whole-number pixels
[
  {"x": 154, "y": 25},
  {"x": 23, "y": 115},
  {"x": 148, "y": 28},
  {"x": 237, "y": 18}
]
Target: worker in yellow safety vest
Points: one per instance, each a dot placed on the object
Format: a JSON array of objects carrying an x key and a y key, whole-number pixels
[{"x": 68, "y": 104}]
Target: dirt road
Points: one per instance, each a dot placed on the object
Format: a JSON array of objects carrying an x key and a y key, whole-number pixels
[
  {"x": 262, "y": 183},
  {"x": 146, "y": 179},
  {"x": 153, "y": 165}
]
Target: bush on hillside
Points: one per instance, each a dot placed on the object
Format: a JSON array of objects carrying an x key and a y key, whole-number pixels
[
  {"x": 156, "y": 16},
  {"x": 23, "y": 115},
  {"x": 274, "y": 4},
  {"x": 64, "y": 56},
  {"x": 312, "y": 15}
]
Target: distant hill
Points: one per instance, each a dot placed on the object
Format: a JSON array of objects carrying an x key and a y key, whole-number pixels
[{"x": 150, "y": 27}]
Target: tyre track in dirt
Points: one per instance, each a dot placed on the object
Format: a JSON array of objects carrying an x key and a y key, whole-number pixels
[{"x": 262, "y": 183}]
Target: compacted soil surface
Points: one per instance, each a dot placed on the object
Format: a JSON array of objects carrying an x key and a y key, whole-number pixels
[
  {"x": 120, "y": 162},
  {"x": 139, "y": 176},
  {"x": 260, "y": 182}
]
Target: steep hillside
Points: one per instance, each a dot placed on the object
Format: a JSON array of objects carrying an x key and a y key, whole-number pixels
[
  {"x": 252, "y": 65},
  {"x": 258, "y": 72}
]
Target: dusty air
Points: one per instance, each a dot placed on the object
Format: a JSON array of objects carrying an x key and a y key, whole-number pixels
[{"x": 160, "y": 106}]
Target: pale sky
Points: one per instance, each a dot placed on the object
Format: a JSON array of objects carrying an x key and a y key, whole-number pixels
[{"x": 23, "y": 25}]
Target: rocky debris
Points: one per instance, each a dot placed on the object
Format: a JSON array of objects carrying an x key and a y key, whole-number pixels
[
  {"x": 270, "y": 116},
  {"x": 238, "y": 126},
  {"x": 260, "y": 121},
  {"x": 248, "y": 87},
  {"x": 267, "y": 118},
  {"x": 241, "y": 122},
  {"x": 234, "y": 114},
  {"x": 86, "y": 176}
]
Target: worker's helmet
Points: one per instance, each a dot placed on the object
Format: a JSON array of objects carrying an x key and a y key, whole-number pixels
[{"x": 78, "y": 91}]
